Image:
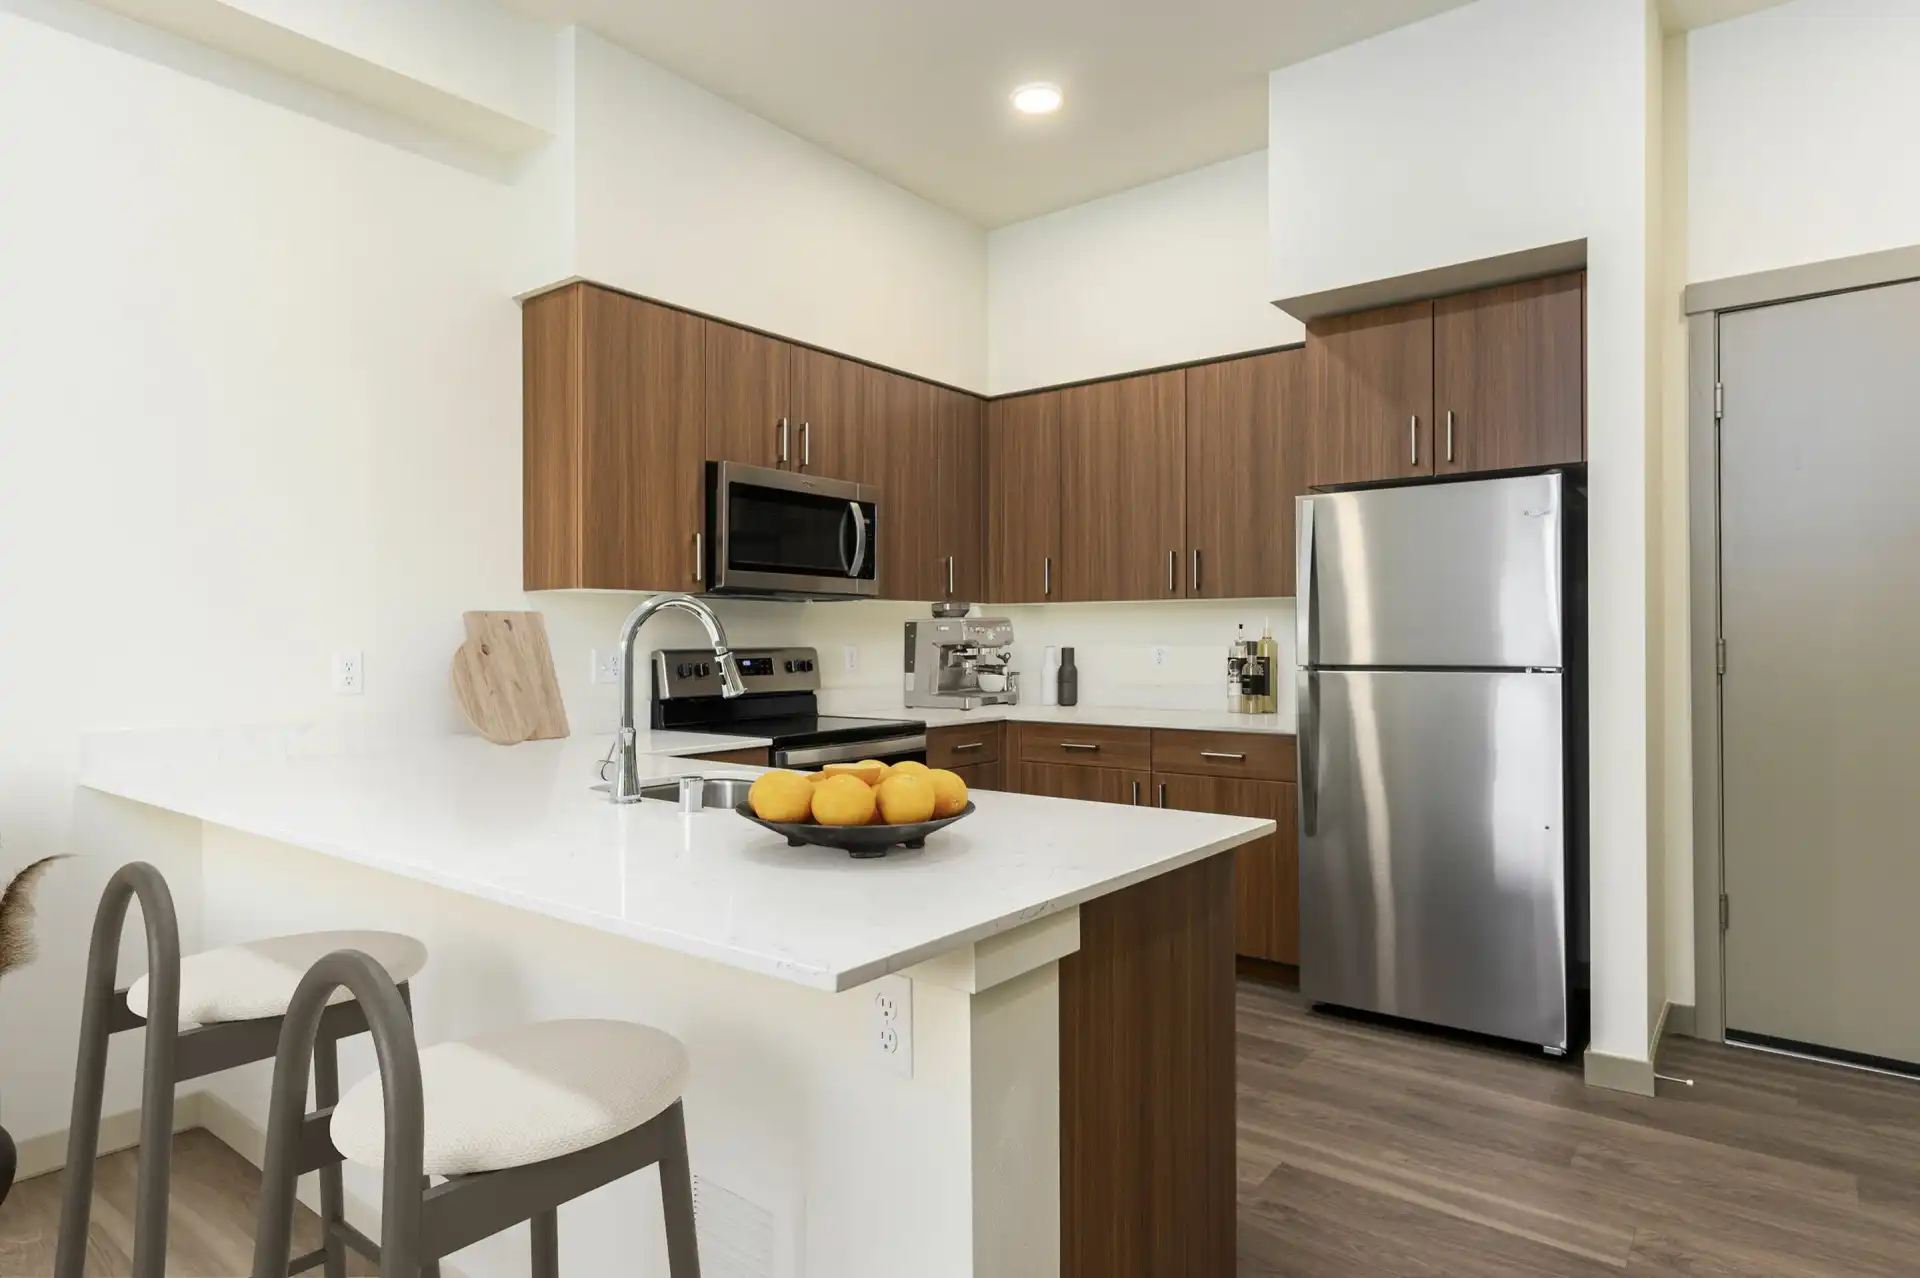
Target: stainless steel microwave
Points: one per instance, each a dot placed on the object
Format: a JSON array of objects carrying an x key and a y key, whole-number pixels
[{"x": 777, "y": 534}]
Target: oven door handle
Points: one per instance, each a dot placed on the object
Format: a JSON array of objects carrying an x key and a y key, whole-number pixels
[{"x": 849, "y": 751}]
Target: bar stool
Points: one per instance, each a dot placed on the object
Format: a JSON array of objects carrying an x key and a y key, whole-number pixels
[
  {"x": 518, "y": 1121},
  {"x": 208, "y": 1012}
]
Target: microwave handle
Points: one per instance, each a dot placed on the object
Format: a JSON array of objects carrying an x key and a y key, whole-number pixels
[{"x": 859, "y": 539}]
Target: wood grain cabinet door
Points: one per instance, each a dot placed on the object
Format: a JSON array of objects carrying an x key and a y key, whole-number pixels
[
  {"x": 749, "y": 394},
  {"x": 1372, "y": 396},
  {"x": 1022, "y": 499},
  {"x": 1095, "y": 785},
  {"x": 1244, "y": 426},
  {"x": 612, "y": 442},
  {"x": 906, "y": 431},
  {"x": 1266, "y": 872},
  {"x": 829, "y": 425},
  {"x": 1123, "y": 519},
  {"x": 1509, "y": 376},
  {"x": 957, "y": 495}
]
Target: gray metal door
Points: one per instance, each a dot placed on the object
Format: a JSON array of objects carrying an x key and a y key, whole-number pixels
[
  {"x": 1433, "y": 850},
  {"x": 1820, "y": 704},
  {"x": 1464, "y": 574}
]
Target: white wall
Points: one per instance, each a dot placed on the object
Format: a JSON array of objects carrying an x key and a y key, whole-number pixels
[
  {"x": 1161, "y": 274},
  {"x": 1503, "y": 126},
  {"x": 1801, "y": 135},
  {"x": 683, "y": 196}
]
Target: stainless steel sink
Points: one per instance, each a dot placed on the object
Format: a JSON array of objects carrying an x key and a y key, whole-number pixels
[{"x": 712, "y": 792}]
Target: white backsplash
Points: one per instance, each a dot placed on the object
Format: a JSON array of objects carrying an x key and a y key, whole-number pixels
[{"x": 1113, "y": 645}]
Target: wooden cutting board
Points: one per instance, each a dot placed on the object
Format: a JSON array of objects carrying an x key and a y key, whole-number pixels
[{"x": 503, "y": 679}]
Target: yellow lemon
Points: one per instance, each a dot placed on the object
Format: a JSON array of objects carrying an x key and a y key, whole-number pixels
[
  {"x": 871, "y": 771},
  {"x": 908, "y": 765},
  {"x": 949, "y": 793},
  {"x": 781, "y": 796},
  {"x": 843, "y": 800},
  {"x": 905, "y": 799}
]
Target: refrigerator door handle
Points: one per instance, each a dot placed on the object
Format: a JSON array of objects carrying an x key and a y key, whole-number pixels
[
  {"x": 1305, "y": 650},
  {"x": 1307, "y": 725}
]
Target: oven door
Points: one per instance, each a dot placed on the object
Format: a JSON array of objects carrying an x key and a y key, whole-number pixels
[
  {"x": 911, "y": 747},
  {"x": 777, "y": 534}
]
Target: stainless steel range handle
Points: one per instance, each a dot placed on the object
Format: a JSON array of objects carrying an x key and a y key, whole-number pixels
[
  {"x": 1307, "y": 725},
  {"x": 849, "y": 751},
  {"x": 1413, "y": 439},
  {"x": 783, "y": 441},
  {"x": 806, "y": 445},
  {"x": 1079, "y": 745},
  {"x": 1046, "y": 575},
  {"x": 1223, "y": 754},
  {"x": 859, "y": 539},
  {"x": 699, "y": 559},
  {"x": 1449, "y": 434}
]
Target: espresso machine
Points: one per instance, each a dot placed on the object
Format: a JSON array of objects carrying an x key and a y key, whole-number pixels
[{"x": 960, "y": 662}]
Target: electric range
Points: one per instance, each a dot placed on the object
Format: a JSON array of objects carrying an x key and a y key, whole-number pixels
[{"x": 781, "y": 703}]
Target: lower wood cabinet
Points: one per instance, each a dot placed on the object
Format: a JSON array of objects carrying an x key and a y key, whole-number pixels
[
  {"x": 982, "y": 776},
  {"x": 1079, "y": 781},
  {"x": 1266, "y": 896}
]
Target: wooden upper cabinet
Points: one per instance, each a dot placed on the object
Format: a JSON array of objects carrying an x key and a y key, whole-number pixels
[
  {"x": 831, "y": 433},
  {"x": 749, "y": 394},
  {"x": 1509, "y": 376},
  {"x": 1022, "y": 498},
  {"x": 612, "y": 434},
  {"x": 1372, "y": 396},
  {"x": 957, "y": 480},
  {"x": 905, "y": 416},
  {"x": 1123, "y": 489},
  {"x": 1245, "y": 427}
]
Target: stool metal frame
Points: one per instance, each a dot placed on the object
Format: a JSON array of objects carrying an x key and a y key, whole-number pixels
[
  {"x": 420, "y": 1225},
  {"x": 173, "y": 1058}
]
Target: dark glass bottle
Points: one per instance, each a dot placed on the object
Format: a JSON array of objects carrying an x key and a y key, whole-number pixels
[{"x": 1069, "y": 679}]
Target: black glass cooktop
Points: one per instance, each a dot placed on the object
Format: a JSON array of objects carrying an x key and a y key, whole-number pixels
[{"x": 822, "y": 729}]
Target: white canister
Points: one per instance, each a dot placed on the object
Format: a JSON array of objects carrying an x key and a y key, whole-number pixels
[{"x": 1050, "y": 679}]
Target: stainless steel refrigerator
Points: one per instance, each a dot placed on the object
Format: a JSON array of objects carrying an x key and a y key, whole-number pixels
[{"x": 1441, "y": 704}]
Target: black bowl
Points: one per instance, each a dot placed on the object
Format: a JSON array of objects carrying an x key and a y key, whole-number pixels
[{"x": 857, "y": 840}]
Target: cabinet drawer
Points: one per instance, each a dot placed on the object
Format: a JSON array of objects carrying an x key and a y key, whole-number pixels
[
  {"x": 1262, "y": 756},
  {"x": 963, "y": 746},
  {"x": 1094, "y": 747}
]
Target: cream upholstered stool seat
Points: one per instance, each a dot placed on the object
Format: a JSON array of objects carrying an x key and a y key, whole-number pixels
[
  {"x": 523, "y": 1095},
  {"x": 517, "y": 1123},
  {"x": 256, "y": 979}
]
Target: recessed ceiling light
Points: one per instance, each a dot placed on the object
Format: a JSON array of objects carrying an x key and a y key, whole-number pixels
[{"x": 1038, "y": 98}]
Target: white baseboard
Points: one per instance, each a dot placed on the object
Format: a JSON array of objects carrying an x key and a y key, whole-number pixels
[
  {"x": 48, "y": 1153},
  {"x": 1619, "y": 1073}
]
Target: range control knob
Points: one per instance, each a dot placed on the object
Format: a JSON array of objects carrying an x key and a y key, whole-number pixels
[
  {"x": 789, "y": 667},
  {"x": 681, "y": 669},
  {"x": 705, "y": 670}
]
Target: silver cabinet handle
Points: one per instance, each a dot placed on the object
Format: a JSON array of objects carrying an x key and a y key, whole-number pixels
[
  {"x": 1449, "y": 434},
  {"x": 971, "y": 745},
  {"x": 1136, "y": 793},
  {"x": 699, "y": 559},
  {"x": 1046, "y": 575},
  {"x": 949, "y": 576},
  {"x": 1163, "y": 794},
  {"x": 1173, "y": 564},
  {"x": 806, "y": 445},
  {"x": 1223, "y": 754},
  {"x": 1193, "y": 582},
  {"x": 1413, "y": 439},
  {"x": 783, "y": 441},
  {"x": 1079, "y": 745}
]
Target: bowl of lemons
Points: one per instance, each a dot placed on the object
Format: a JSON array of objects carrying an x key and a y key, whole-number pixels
[{"x": 862, "y": 808}]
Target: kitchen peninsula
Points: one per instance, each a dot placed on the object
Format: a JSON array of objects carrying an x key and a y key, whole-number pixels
[{"x": 1063, "y": 1099}]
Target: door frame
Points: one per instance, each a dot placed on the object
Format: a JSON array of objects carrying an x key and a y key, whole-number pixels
[{"x": 1705, "y": 303}]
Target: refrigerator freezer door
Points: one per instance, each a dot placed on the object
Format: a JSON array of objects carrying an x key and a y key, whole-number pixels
[
  {"x": 1442, "y": 575},
  {"x": 1433, "y": 848}
]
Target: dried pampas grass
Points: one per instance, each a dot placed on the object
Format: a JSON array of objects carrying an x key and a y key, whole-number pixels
[{"x": 16, "y": 916}]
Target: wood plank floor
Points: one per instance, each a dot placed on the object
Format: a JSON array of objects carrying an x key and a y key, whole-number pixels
[
  {"x": 209, "y": 1227},
  {"x": 1374, "y": 1151}
]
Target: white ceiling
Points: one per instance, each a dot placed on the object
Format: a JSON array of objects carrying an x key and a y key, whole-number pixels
[{"x": 916, "y": 90}]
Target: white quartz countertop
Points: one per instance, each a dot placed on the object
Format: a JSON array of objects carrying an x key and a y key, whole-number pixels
[
  {"x": 519, "y": 825},
  {"x": 1103, "y": 716}
]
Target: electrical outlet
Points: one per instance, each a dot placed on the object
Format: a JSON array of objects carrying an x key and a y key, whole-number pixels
[
  {"x": 852, "y": 655},
  {"x": 349, "y": 673},
  {"x": 891, "y": 1023},
  {"x": 605, "y": 666},
  {"x": 1159, "y": 656}
]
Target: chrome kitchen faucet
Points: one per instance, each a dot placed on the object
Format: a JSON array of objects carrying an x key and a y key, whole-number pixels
[{"x": 626, "y": 778}]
